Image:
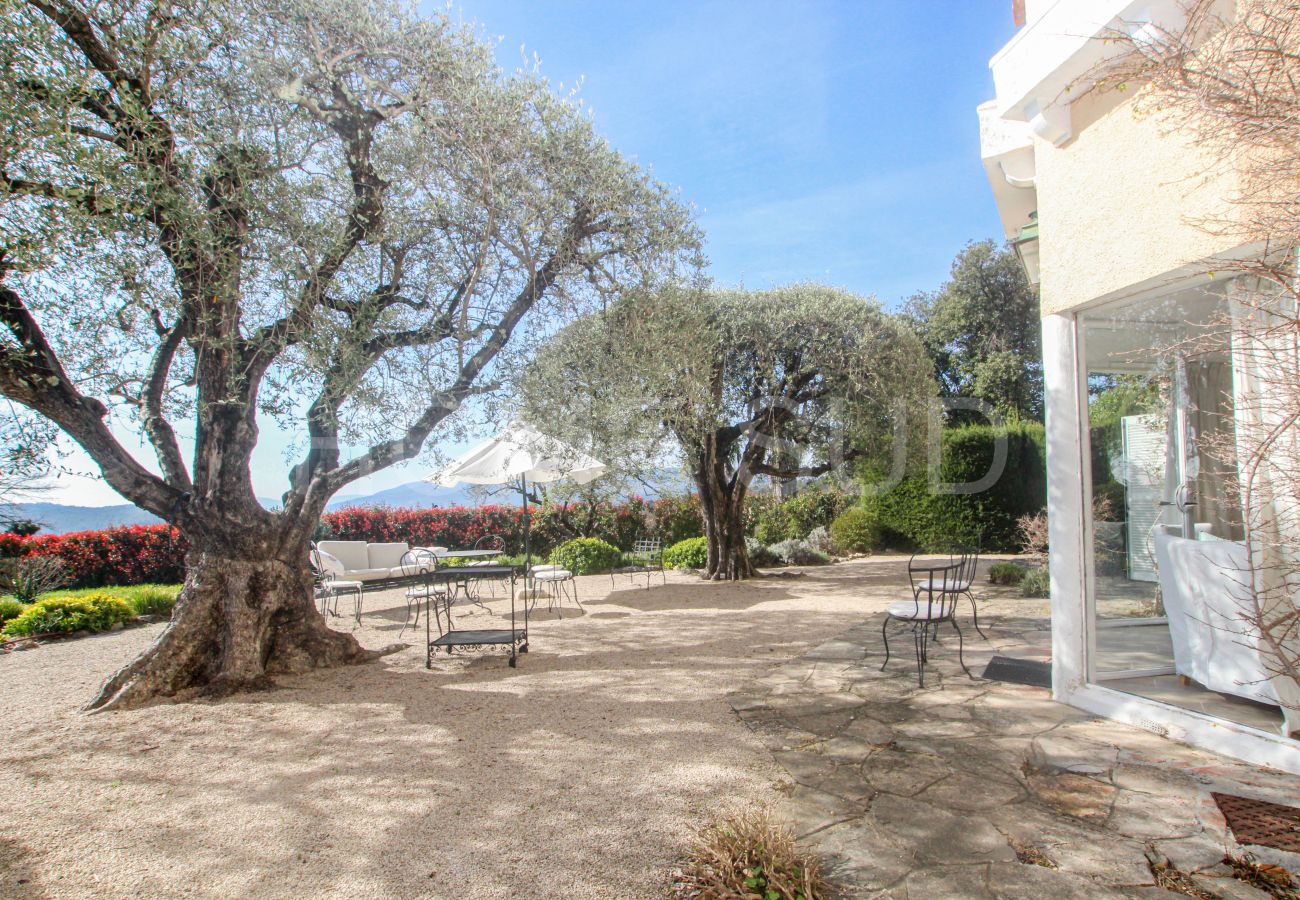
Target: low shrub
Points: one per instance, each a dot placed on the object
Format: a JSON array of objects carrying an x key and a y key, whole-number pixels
[
  {"x": 692, "y": 553},
  {"x": 747, "y": 855},
  {"x": 30, "y": 577},
  {"x": 1036, "y": 583},
  {"x": 798, "y": 553},
  {"x": 1006, "y": 573},
  {"x": 758, "y": 553},
  {"x": 10, "y": 609},
  {"x": 584, "y": 556},
  {"x": 1032, "y": 529},
  {"x": 795, "y": 517},
  {"x": 96, "y": 611},
  {"x": 820, "y": 539},
  {"x": 856, "y": 531}
]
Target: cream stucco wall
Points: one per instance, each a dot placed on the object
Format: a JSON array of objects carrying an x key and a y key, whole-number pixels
[{"x": 1124, "y": 203}]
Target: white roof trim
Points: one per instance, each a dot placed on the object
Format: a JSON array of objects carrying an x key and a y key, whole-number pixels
[{"x": 1045, "y": 67}]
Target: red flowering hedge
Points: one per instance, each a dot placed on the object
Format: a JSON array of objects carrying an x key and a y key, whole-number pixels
[
  {"x": 672, "y": 518},
  {"x": 137, "y": 554},
  {"x": 156, "y": 553}
]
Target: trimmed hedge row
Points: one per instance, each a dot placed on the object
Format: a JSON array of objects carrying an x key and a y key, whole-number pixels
[
  {"x": 671, "y": 518},
  {"x": 97, "y": 611},
  {"x": 912, "y": 516},
  {"x": 156, "y": 553},
  {"x": 137, "y": 554}
]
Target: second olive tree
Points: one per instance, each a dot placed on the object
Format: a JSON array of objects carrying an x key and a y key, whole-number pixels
[{"x": 791, "y": 382}]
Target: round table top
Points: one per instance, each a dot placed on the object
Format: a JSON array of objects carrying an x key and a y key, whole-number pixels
[{"x": 463, "y": 554}]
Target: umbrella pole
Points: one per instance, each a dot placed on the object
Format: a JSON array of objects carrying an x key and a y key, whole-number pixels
[{"x": 528, "y": 546}]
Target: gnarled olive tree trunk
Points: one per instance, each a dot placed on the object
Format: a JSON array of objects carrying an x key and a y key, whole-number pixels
[
  {"x": 722, "y": 502},
  {"x": 245, "y": 613}
]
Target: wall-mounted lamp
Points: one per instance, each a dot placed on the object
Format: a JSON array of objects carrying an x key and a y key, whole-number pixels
[{"x": 1026, "y": 247}]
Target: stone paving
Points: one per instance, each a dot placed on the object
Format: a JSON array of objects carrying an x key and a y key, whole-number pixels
[{"x": 974, "y": 788}]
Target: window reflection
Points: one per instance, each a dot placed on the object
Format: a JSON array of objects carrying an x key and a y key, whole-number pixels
[{"x": 1165, "y": 583}]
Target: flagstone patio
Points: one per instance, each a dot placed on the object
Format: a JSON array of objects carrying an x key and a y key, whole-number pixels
[{"x": 975, "y": 788}]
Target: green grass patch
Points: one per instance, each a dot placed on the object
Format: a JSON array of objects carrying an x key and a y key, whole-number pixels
[{"x": 143, "y": 599}]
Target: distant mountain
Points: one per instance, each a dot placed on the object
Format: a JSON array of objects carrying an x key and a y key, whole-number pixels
[
  {"x": 423, "y": 494},
  {"x": 55, "y": 518},
  {"x": 415, "y": 494}
]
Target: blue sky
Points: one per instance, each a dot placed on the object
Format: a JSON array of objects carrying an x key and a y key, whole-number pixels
[
  {"x": 828, "y": 141},
  {"x": 819, "y": 140}
]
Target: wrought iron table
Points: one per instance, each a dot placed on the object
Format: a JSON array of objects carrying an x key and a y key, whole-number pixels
[
  {"x": 462, "y": 584},
  {"x": 514, "y": 638}
]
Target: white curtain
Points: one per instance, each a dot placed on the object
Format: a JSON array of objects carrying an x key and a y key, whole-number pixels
[{"x": 1266, "y": 364}]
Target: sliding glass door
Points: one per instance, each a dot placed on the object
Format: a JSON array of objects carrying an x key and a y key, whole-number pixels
[{"x": 1167, "y": 579}]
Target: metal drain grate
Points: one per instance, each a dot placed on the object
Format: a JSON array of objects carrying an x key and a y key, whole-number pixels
[{"x": 1260, "y": 822}]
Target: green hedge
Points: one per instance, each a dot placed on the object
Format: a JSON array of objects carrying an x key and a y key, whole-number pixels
[
  {"x": 913, "y": 516},
  {"x": 583, "y": 556},
  {"x": 856, "y": 530},
  {"x": 692, "y": 553}
]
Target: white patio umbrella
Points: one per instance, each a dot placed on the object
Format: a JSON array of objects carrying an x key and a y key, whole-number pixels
[{"x": 520, "y": 453}]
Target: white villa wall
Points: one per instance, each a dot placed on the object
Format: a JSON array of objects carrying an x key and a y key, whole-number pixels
[{"x": 1126, "y": 202}]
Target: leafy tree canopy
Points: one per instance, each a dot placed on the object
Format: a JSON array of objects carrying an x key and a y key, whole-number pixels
[
  {"x": 793, "y": 381},
  {"x": 339, "y": 215},
  {"x": 982, "y": 330}
]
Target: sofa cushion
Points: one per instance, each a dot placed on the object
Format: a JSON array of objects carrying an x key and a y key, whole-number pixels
[
  {"x": 386, "y": 556},
  {"x": 329, "y": 563},
  {"x": 351, "y": 553},
  {"x": 370, "y": 574}
]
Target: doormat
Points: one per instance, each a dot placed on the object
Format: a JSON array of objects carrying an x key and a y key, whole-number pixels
[
  {"x": 1019, "y": 671},
  {"x": 1260, "y": 822}
]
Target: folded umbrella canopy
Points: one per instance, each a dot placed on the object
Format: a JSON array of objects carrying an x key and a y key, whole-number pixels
[{"x": 520, "y": 454}]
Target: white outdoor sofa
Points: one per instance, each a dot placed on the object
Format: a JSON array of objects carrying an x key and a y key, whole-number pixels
[
  {"x": 374, "y": 565},
  {"x": 1206, "y": 587}
]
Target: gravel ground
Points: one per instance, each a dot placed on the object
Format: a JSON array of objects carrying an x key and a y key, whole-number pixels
[{"x": 582, "y": 773}]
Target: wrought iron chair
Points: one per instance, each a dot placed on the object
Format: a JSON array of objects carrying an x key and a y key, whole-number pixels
[
  {"x": 970, "y": 556},
  {"x": 646, "y": 558},
  {"x": 326, "y": 569},
  {"x": 418, "y": 565},
  {"x": 934, "y": 600},
  {"x": 559, "y": 583},
  {"x": 488, "y": 542}
]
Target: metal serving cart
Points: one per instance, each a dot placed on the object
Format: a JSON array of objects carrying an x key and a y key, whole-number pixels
[{"x": 514, "y": 638}]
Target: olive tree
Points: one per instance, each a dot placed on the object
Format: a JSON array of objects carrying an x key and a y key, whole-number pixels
[
  {"x": 791, "y": 382},
  {"x": 335, "y": 216}
]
